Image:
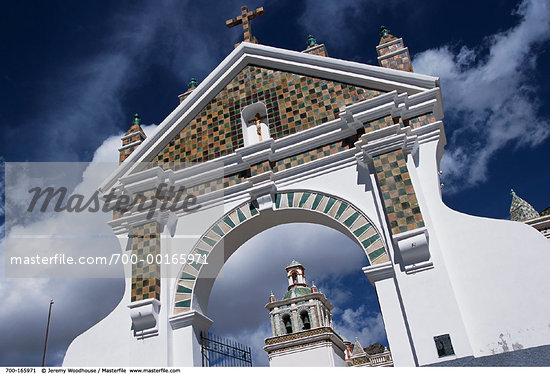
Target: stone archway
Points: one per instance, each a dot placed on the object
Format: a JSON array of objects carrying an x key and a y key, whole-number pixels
[{"x": 192, "y": 290}]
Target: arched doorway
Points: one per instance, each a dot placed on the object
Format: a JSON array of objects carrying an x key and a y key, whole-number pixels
[
  {"x": 242, "y": 223},
  {"x": 194, "y": 282},
  {"x": 238, "y": 298}
]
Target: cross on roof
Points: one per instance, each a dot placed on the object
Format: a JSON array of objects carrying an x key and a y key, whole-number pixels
[{"x": 244, "y": 18}]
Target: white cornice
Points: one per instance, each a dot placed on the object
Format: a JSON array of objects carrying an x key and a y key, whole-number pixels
[
  {"x": 311, "y": 49},
  {"x": 133, "y": 134},
  {"x": 393, "y": 53},
  {"x": 132, "y": 144},
  {"x": 314, "y": 295},
  {"x": 297, "y": 342},
  {"x": 387, "y": 44},
  {"x": 190, "y": 318},
  {"x": 275, "y": 58},
  {"x": 379, "y": 272}
]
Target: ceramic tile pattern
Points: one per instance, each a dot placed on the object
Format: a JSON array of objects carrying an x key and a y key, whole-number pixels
[
  {"x": 343, "y": 212},
  {"x": 213, "y": 236},
  {"x": 298, "y": 335},
  {"x": 397, "y": 191},
  {"x": 138, "y": 135},
  {"x": 145, "y": 240},
  {"x": 294, "y": 103},
  {"x": 420, "y": 121},
  {"x": 304, "y": 157},
  {"x": 400, "y": 61},
  {"x": 317, "y": 49}
]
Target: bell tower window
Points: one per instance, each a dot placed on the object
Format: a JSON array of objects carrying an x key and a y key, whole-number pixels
[
  {"x": 255, "y": 125},
  {"x": 305, "y": 320},
  {"x": 287, "y": 324}
]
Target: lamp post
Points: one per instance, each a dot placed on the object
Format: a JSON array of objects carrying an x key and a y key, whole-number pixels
[{"x": 47, "y": 331}]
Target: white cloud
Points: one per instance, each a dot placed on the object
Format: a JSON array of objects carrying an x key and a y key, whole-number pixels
[
  {"x": 490, "y": 95},
  {"x": 360, "y": 323},
  {"x": 79, "y": 302}
]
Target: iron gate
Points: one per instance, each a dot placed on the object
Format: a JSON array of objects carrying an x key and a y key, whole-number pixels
[{"x": 217, "y": 351}]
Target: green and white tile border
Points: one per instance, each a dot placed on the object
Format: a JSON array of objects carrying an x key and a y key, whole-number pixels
[{"x": 338, "y": 209}]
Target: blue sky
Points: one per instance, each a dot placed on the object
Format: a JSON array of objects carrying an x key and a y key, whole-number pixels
[{"x": 73, "y": 73}]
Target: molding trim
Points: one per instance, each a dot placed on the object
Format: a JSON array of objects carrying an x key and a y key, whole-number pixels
[
  {"x": 379, "y": 272},
  {"x": 387, "y": 44},
  {"x": 144, "y": 315},
  {"x": 393, "y": 53},
  {"x": 133, "y": 144},
  {"x": 190, "y": 318}
]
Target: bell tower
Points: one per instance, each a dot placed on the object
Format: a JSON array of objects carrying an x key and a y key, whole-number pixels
[{"x": 301, "y": 324}]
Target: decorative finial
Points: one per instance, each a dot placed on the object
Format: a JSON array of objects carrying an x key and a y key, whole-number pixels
[
  {"x": 384, "y": 31},
  {"x": 192, "y": 83},
  {"x": 271, "y": 293},
  {"x": 512, "y": 192},
  {"x": 137, "y": 120},
  {"x": 311, "y": 41}
]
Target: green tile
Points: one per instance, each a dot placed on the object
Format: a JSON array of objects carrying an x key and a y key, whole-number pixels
[
  {"x": 182, "y": 289},
  {"x": 187, "y": 276},
  {"x": 330, "y": 203},
  {"x": 341, "y": 210},
  {"x": 375, "y": 254},
  {"x": 367, "y": 242},
  {"x": 209, "y": 241},
  {"x": 278, "y": 201},
  {"x": 348, "y": 222},
  {"x": 241, "y": 215},
  {"x": 361, "y": 230},
  {"x": 229, "y": 222},
  {"x": 317, "y": 201},
  {"x": 253, "y": 209},
  {"x": 183, "y": 304},
  {"x": 290, "y": 198},
  {"x": 217, "y": 230},
  {"x": 200, "y": 251},
  {"x": 304, "y": 198}
]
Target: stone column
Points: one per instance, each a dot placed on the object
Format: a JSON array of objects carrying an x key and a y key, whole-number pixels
[
  {"x": 313, "y": 316},
  {"x": 295, "y": 321},
  {"x": 186, "y": 337},
  {"x": 399, "y": 337}
]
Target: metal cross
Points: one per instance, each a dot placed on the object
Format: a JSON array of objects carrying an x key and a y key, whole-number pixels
[
  {"x": 244, "y": 18},
  {"x": 258, "y": 121}
]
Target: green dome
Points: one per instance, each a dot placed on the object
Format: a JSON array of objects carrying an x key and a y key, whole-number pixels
[
  {"x": 293, "y": 263},
  {"x": 297, "y": 291},
  {"x": 521, "y": 210}
]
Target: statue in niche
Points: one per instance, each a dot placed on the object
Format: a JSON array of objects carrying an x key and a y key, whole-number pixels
[{"x": 258, "y": 121}]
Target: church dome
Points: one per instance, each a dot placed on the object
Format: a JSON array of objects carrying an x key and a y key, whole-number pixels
[
  {"x": 521, "y": 210},
  {"x": 296, "y": 291}
]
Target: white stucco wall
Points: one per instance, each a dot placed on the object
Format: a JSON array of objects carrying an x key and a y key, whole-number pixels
[
  {"x": 322, "y": 355},
  {"x": 497, "y": 268}
]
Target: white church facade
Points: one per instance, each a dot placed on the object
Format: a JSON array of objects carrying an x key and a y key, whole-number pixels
[{"x": 278, "y": 136}]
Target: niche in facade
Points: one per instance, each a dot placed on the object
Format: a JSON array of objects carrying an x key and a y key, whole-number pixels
[{"x": 255, "y": 123}]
